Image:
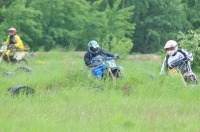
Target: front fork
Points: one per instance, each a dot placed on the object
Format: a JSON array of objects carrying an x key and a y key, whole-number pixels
[
  {"x": 111, "y": 73},
  {"x": 108, "y": 72}
]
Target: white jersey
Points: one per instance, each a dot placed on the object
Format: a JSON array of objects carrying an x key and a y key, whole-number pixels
[{"x": 170, "y": 61}]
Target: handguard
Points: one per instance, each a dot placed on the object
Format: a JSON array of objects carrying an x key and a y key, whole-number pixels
[{"x": 116, "y": 56}]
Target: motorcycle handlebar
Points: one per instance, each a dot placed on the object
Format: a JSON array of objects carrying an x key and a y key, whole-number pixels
[
  {"x": 110, "y": 58},
  {"x": 104, "y": 59}
]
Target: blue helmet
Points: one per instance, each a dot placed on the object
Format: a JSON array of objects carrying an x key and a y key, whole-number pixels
[{"x": 93, "y": 46}]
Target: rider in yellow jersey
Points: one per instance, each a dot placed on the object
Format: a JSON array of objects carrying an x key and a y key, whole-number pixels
[{"x": 13, "y": 41}]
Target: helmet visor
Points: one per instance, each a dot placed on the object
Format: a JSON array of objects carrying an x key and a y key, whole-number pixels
[
  {"x": 169, "y": 49},
  {"x": 11, "y": 31},
  {"x": 94, "y": 49}
]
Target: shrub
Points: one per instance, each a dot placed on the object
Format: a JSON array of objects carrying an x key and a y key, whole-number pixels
[
  {"x": 191, "y": 42},
  {"x": 121, "y": 46}
]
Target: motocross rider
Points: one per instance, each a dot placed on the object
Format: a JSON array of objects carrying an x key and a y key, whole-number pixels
[
  {"x": 92, "y": 56},
  {"x": 175, "y": 58},
  {"x": 13, "y": 41}
]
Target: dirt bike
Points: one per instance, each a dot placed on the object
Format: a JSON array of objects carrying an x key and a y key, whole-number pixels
[
  {"x": 181, "y": 70},
  {"x": 11, "y": 55},
  {"x": 112, "y": 69}
]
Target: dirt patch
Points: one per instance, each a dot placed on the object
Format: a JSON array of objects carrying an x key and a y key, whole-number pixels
[
  {"x": 140, "y": 57},
  {"x": 80, "y": 53},
  {"x": 32, "y": 54},
  {"x": 144, "y": 57}
]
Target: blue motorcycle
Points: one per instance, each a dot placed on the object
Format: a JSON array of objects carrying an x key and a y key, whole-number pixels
[{"x": 108, "y": 67}]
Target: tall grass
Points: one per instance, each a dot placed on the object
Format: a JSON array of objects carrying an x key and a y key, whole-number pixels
[{"x": 67, "y": 98}]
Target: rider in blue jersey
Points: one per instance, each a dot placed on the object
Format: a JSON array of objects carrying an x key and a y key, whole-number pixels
[{"x": 92, "y": 56}]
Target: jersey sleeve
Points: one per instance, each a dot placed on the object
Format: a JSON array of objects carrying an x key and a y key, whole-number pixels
[
  {"x": 19, "y": 44},
  {"x": 106, "y": 53},
  {"x": 87, "y": 59}
]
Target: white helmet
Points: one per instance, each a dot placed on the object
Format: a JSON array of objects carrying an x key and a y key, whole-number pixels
[
  {"x": 12, "y": 31},
  {"x": 93, "y": 46},
  {"x": 171, "y": 47}
]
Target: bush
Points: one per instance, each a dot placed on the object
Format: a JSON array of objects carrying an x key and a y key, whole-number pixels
[
  {"x": 120, "y": 46},
  {"x": 191, "y": 42}
]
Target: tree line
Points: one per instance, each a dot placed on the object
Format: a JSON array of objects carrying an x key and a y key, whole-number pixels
[{"x": 119, "y": 25}]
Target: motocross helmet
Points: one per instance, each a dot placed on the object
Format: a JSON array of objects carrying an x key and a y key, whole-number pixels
[
  {"x": 171, "y": 47},
  {"x": 12, "y": 31},
  {"x": 93, "y": 46}
]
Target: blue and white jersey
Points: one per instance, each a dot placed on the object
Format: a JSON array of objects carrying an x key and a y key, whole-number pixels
[{"x": 89, "y": 57}]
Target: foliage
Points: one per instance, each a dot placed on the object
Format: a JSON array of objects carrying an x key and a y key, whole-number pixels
[
  {"x": 191, "y": 42},
  {"x": 47, "y": 23},
  {"x": 25, "y": 21},
  {"x": 122, "y": 47},
  {"x": 112, "y": 23},
  {"x": 156, "y": 22},
  {"x": 67, "y": 99},
  {"x": 193, "y": 13},
  {"x": 117, "y": 27},
  {"x": 62, "y": 21},
  {"x": 147, "y": 23}
]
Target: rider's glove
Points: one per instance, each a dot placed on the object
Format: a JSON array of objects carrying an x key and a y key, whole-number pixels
[
  {"x": 11, "y": 46},
  {"x": 117, "y": 56}
]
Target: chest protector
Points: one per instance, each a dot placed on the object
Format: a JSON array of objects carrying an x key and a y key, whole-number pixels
[
  {"x": 167, "y": 57},
  {"x": 12, "y": 39}
]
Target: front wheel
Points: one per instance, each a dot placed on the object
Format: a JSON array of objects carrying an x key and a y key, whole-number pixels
[
  {"x": 117, "y": 74},
  {"x": 108, "y": 73}
]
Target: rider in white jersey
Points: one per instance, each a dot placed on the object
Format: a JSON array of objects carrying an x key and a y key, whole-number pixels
[{"x": 176, "y": 57}]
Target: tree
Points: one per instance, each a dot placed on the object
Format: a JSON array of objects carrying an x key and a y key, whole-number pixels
[
  {"x": 4, "y": 3},
  {"x": 24, "y": 20},
  {"x": 111, "y": 25},
  {"x": 193, "y": 12},
  {"x": 62, "y": 21},
  {"x": 191, "y": 42},
  {"x": 156, "y": 22}
]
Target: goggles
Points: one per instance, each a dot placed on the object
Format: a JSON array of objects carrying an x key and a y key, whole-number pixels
[
  {"x": 169, "y": 49},
  {"x": 93, "y": 49},
  {"x": 10, "y": 31}
]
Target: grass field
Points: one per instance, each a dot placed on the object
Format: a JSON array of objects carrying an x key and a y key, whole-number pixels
[{"x": 67, "y": 99}]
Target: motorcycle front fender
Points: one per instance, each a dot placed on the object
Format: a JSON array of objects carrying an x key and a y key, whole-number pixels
[{"x": 118, "y": 68}]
